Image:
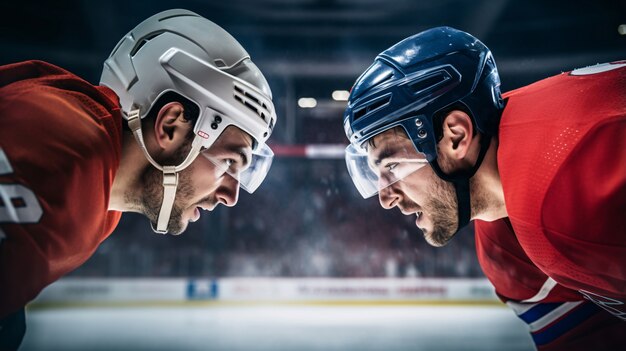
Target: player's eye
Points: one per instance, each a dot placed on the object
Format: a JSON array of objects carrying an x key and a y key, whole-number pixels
[
  {"x": 232, "y": 165},
  {"x": 391, "y": 166}
]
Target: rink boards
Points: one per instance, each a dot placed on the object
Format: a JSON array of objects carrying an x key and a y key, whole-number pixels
[{"x": 141, "y": 291}]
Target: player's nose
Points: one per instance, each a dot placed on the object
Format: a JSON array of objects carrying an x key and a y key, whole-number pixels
[
  {"x": 228, "y": 191},
  {"x": 388, "y": 198}
]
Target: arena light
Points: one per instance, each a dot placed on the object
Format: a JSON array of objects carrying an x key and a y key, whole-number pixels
[
  {"x": 341, "y": 95},
  {"x": 621, "y": 29},
  {"x": 306, "y": 102}
]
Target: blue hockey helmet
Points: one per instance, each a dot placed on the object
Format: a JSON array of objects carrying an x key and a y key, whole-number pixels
[{"x": 410, "y": 83}]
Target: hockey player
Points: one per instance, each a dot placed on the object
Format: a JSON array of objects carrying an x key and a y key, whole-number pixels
[
  {"x": 431, "y": 133},
  {"x": 180, "y": 121}
]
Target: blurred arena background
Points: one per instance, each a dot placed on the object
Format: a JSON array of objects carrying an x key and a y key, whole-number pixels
[{"x": 306, "y": 236}]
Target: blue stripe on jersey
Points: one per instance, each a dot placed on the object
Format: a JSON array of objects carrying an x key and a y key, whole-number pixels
[
  {"x": 571, "y": 320},
  {"x": 538, "y": 311}
]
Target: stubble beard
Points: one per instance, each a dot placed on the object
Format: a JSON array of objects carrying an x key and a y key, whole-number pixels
[
  {"x": 442, "y": 206},
  {"x": 443, "y": 210},
  {"x": 151, "y": 198}
]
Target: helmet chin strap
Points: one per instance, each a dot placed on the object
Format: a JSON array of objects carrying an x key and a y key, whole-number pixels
[
  {"x": 170, "y": 173},
  {"x": 460, "y": 180}
]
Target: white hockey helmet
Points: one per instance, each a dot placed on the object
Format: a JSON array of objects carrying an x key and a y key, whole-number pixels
[{"x": 180, "y": 51}]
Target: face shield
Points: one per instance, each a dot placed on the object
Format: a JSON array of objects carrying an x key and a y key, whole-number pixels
[
  {"x": 376, "y": 165},
  {"x": 248, "y": 167}
]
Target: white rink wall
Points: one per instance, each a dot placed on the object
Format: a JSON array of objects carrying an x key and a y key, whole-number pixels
[{"x": 271, "y": 290}]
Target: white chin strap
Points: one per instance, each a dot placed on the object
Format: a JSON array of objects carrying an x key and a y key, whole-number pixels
[{"x": 170, "y": 173}]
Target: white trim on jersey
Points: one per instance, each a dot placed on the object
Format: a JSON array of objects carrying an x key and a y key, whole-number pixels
[
  {"x": 5, "y": 166},
  {"x": 520, "y": 308},
  {"x": 553, "y": 315},
  {"x": 543, "y": 292}
]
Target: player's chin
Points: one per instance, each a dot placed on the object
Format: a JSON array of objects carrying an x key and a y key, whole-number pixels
[
  {"x": 439, "y": 229},
  {"x": 173, "y": 228},
  {"x": 177, "y": 227},
  {"x": 180, "y": 219},
  {"x": 434, "y": 241},
  {"x": 438, "y": 236},
  {"x": 428, "y": 231}
]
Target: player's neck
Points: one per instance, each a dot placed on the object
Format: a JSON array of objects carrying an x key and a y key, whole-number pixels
[
  {"x": 486, "y": 188},
  {"x": 126, "y": 183}
]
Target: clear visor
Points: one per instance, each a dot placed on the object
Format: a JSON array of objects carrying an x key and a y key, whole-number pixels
[
  {"x": 248, "y": 169},
  {"x": 375, "y": 167}
]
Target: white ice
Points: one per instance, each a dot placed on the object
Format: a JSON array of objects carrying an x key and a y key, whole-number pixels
[{"x": 277, "y": 328}]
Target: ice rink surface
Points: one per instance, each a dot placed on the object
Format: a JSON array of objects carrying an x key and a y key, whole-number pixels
[{"x": 277, "y": 328}]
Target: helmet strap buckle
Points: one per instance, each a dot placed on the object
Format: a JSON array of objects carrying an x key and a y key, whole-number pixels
[{"x": 170, "y": 183}]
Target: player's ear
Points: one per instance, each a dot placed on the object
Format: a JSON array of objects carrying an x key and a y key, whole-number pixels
[
  {"x": 457, "y": 135},
  {"x": 171, "y": 127}
]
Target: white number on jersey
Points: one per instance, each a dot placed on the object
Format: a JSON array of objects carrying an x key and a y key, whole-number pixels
[{"x": 18, "y": 204}]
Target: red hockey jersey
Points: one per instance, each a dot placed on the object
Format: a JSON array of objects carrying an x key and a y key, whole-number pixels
[
  {"x": 558, "y": 318},
  {"x": 60, "y": 147},
  {"x": 562, "y": 162}
]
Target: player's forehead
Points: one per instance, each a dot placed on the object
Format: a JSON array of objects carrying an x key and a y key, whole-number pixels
[{"x": 388, "y": 141}]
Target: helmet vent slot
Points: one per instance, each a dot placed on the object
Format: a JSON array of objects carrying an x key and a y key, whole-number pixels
[
  {"x": 251, "y": 102},
  {"x": 428, "y": 83},
  {"x": 219, "y": 63},
  {"x": 372, "y": 106},
  {"x": 178, "y": 15},
  {"x": 143, "y": 42}
]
